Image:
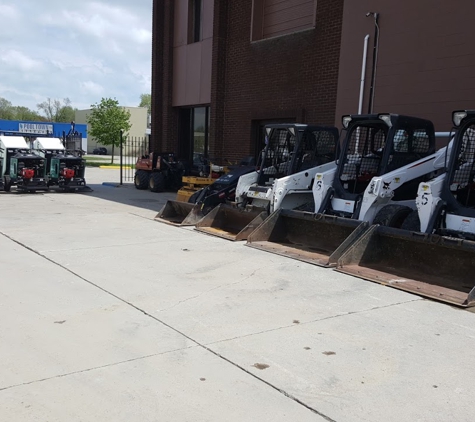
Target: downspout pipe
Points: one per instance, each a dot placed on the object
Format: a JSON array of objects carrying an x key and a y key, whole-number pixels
[
  {"x": 363, "y": 74},
  {"x": 375, "y": 60}
]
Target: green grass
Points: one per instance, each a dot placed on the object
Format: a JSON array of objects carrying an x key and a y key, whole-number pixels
[{"x": 93, "y": 158}]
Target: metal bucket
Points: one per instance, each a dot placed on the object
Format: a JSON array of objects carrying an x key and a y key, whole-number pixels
[
  {"x": 315, "y": 238},
  {"x": 230, "y": 222},
  {"x": 180, "y": 213},
  {"x": 433, "y": 266}
]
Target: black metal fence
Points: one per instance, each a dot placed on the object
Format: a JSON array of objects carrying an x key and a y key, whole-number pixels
[{"x": 131, "y": 147}]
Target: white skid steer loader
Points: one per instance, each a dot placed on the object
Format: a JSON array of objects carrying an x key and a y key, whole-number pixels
[
  {"x": 384, "y": 157},
  {"x": 294, "y": 153},
  {"x": 435, "y": 253}
]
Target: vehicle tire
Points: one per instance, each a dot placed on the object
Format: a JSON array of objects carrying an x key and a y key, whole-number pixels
[
  {"x": 392, "y": 215},
  {"x": 141, "y": 179},
  {"x": 157, "y": 182},
  {"x": 412, "y": 222},
  {"x": 193, "y": 198},
  {"x": 7, "y": 184}
]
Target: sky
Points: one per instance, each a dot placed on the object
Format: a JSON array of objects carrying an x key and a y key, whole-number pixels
[{"x": 83, "y": 50}]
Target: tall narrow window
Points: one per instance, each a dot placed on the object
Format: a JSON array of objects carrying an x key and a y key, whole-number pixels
[
  {"x": 195, "y": 22},
  {"x": 200, "y": 130}
]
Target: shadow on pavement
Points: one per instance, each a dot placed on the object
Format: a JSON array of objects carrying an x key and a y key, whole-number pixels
[{"x": 127, "y": 194}]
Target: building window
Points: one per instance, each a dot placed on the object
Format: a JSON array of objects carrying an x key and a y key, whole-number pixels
[
  {"x": 195, "y": 21},
  {"x": 272, "y": 18},
  {"x": 200, "y": 122}
]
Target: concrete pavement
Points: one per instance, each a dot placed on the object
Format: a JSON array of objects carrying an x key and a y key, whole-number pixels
[{"x": 107, "y": 315}]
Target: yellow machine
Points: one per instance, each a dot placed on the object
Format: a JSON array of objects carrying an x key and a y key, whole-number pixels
[{"x": 192, "y": 184}]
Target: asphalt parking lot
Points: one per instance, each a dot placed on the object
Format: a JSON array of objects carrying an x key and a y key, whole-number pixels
[{"x": 108, "y": 315}]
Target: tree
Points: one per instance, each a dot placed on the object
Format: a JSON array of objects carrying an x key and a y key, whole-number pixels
[
  {"x": 66, "y": 114},
  {"x": 7, "y": 111},
  {"x": 146, "y": 101},
  {"x": 24, "y": 113},
  {"x": 107, "y": 120},
  {"x": 55, "y": 111}
]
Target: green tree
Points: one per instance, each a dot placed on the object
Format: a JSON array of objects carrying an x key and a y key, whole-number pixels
[
  {"x": 146, "y": 101},
  {"x": 7, "y": 111},
  {"x": 24, "y": 113},
  {"x": 57, "y": 111},
  {"x": 107, "y": 120}
]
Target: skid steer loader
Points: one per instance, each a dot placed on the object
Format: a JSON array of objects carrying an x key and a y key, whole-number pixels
[
  {"x": 288, "y": 163},
  {"x": 383, "y": 159},
  {"x": 65, "y": 170},
  {"x": 435, "y": 253},
  {"x": 21, "y": 167},
  {"x": 189, "y": 213}
]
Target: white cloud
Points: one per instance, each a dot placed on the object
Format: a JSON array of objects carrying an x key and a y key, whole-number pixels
[
  {"x": 80, "y": 50},
  {"x": 17, "y": 60},
  {"x": 9, "y": 11},
  {"x": 93, "y": 88}
]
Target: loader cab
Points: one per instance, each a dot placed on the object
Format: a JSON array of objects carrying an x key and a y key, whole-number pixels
[
  {"x": 317, "y": 146},
  {"x": 458, "y": 191},
  {"x": 278, "y": 155},
  {"x": 377, "y": 144},
  {"x": 291, "y": 148}
]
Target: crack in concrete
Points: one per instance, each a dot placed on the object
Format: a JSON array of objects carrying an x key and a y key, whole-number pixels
[
  {"x": 293, "y": 325},
  {"x": 210, "y": 290},
  {"x": 94, "y": 368},
  {"x": 269, "y": 384}
]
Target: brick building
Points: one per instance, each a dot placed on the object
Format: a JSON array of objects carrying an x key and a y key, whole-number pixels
[{"x": 221, "y": 70}]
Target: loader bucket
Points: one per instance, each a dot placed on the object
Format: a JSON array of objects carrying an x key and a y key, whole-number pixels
[
  {"x": 230, "y": 222},
  {"x": 180, "y": 213},
  {"x": 428, "y": 265},
  {"x": 315, "y": 238}
]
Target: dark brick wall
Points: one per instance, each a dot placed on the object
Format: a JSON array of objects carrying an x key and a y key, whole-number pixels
[
  {"x": 218, "y": 79},
  {"x": 293, "y": 76},
  {"x": 164, "y": 116}
]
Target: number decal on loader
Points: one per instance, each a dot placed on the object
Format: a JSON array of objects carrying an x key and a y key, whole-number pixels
[
  {"x": 425, "y": 199},
  {"x": 319, "y": 184}
]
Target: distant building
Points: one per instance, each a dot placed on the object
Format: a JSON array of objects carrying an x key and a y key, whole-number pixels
[
  {"x": 29, "y": 128},
  {"x": 138, "y": 120}
]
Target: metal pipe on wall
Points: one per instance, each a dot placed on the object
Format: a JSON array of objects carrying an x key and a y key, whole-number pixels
[
  {"x": 363, "y": 74},
  {"x": 375, "y": 60}
]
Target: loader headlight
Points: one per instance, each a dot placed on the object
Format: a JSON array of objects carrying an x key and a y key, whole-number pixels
[
  {"x": 458, "y": 116},
  {"x": 345, "y": 121},
  {"x": 386, "y": 118}
]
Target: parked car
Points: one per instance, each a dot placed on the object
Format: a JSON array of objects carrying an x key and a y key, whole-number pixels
[{"x": 100, "y": 151}]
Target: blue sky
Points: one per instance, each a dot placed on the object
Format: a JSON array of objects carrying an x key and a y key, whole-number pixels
[{"x": 83, "y": 50}]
